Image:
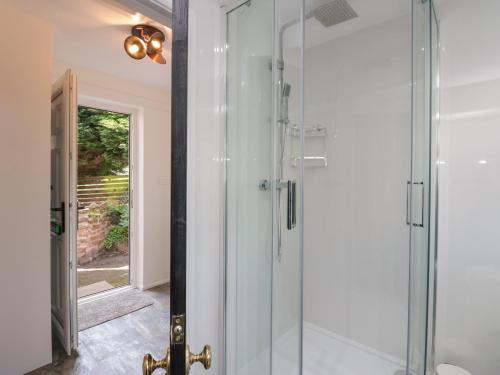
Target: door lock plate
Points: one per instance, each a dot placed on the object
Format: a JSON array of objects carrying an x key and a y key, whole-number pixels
[{"x": 178, "y": 329}]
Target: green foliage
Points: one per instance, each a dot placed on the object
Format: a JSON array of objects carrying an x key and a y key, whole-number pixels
[
  {"x": 118, "y": 214},
  {"x": 118, "y": 232},
  {"x": 116, "y": 235},
  {"x": 103, "y": 144}
]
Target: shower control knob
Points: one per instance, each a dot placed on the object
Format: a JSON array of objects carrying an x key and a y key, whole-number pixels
[{"x": 264, "y": 185}]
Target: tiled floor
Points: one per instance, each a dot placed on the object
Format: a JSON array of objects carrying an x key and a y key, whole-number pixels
[{"x": 118, "y": 346}]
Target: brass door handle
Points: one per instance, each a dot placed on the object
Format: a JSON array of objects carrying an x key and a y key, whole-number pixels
[
  {"x": 205, "y": 357},
  {"x": 149, "y": 365}
]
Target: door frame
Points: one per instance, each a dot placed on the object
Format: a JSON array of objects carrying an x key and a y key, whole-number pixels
[
  {"x": 178, "y": 195},
  {"x": 136, "y": 251}
]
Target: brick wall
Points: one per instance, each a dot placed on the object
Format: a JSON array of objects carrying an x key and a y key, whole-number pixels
[{"x": 93, "y": 224}]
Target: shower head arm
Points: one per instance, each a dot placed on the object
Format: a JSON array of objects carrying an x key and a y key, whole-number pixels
[{"x": 286, "y": 26}]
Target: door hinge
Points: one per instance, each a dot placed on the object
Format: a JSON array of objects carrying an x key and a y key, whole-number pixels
[
  {"x": 71, "y": 264},
  {"x": 178, "y": 329}
]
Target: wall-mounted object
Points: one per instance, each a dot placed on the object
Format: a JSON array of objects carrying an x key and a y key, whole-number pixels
[
  {"x": 315, "y": 146},
  {"x": 146, "y": 40}
]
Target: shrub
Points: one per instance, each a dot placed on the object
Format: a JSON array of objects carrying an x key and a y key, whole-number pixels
[
  {"x": 118, "y": 232},
  {"x": 116, "y": 235},
  {"x": 103, "y": 142}
]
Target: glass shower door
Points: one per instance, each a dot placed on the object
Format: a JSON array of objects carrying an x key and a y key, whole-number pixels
[
  {"x": 249, "y": 194},
  {"x": 423, "y": 199},
  {"x": 263, "y": 191},
  {"x": 336, "y": 95}
]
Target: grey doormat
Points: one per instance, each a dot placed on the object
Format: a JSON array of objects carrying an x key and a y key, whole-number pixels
[{"x": 102, "y": 310}]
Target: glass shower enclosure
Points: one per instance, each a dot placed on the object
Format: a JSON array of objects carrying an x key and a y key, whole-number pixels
[{"x": 330, "y": 151}]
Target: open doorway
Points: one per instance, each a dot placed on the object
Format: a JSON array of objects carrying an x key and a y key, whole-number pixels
[
  {"x": 103, "y": 192},
  {"x": 110, "y": 202}
]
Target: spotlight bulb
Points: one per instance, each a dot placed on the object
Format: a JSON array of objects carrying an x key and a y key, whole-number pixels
[
  {"x": 156, "y": 44},
  {"x": 135, "y": 47},
  {"x": 156, "y": 41}
]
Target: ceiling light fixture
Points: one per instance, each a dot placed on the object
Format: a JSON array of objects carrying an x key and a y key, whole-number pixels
[{"x": 145, "y": 40}]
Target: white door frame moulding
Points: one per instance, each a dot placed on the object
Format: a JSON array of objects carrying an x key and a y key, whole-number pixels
[{"x": 136, "y": 237}]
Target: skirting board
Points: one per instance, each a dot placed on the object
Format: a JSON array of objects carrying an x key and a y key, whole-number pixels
[{"x": 153, "y": 284}]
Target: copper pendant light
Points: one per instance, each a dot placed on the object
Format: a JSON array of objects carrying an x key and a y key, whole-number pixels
[{"x": 146, "y": 40}]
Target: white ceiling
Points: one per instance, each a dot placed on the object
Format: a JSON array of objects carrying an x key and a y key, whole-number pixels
[{"x": 90, "y": 34}]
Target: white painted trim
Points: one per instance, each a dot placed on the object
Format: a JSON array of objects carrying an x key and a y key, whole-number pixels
[
  {"x": 153, "y": 284},
  {"x": 136, "y": 113},
  {"x": 161, "y": 14}
]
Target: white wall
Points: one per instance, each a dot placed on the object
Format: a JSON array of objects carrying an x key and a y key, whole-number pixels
[
  {"x": 468, "y": 305},
  {"x": 204, "y": 244},
  {"x": 153, "y": 165},
  {"x": 356, "y": 249},
  {"x": 25, "y": 82}
]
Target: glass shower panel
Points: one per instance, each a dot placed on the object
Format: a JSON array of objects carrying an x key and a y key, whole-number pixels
[
  {"x": 329, "y": 187},
  {"x": 357, "y": 102},
  {"x": 287, "y": 265},
  {"x": 249, "y": 193},
  {"x": 421, "y": 188},
  {"x": 434, "y": 165}
]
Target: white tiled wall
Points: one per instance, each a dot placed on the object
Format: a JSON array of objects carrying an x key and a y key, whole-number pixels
[
  {"x": 356, "y": 238},
  {"x": 468, "y": 306}
]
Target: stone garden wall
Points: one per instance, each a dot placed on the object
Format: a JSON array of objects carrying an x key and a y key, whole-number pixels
[{"x": 93, "y": 225}]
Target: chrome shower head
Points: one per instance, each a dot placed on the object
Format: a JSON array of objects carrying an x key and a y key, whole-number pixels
[{"x": 333, "y": 13}]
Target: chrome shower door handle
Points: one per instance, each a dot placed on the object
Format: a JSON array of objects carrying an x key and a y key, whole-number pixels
[
  {"x": 409, "y": 203},
  {"x": 291, "y": 204},
  {"x": 408, "y": 208}
]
